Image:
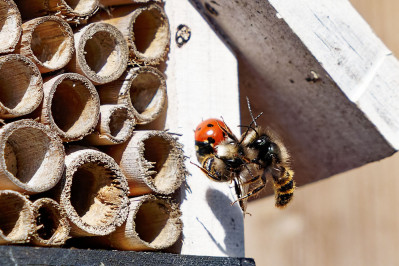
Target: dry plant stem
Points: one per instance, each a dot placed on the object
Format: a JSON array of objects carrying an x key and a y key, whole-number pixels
[
  {"x": 152, "y": 161},
  {"x": 10, "y": 30},
  {"x": 21, "y": 86},
  {"x": 73, "y": 11},
  {"x": 17, "y": 220},
  {"x": 71, "y": 106},
  {"x": 153, "y": 223},
  {"x": 106, "y": 3},
  {"x": 115, "y": 126},
  {"x": 146, "y": 29},
  {"x": 52, "y": 227},
  {"x": 94, "y": 192},
  {"x": 48, "y": 42},
  {"x": 32, "y": 157},
  {"x": 143, "y": 89},
  {"x": 101, "y": 53}
]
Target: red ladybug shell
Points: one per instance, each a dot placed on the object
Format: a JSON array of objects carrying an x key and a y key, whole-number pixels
[{"x": 209, "y": 131}]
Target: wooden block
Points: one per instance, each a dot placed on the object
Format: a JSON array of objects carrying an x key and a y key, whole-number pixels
[{"x": 322, "y": 78}]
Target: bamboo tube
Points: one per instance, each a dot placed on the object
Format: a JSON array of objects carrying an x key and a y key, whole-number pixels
[
  {"x": 94, "y": 192},
  {"x": 153, "y": 223},
  {"x": 48, "y": 42},
  {"x": 152, "y": 161},
  {"x": 52, "y": 227},
  {"x": 11, "y": 26},
  {"x": 71, "y": 106},
  {"x": 146, "y": 29},
  {"x": 115, "y": 126},
  {"x": 21, "y": 86},
  {"x": 32, "y": 157},
  {"x": 17, "y": 220},
  {"x": 73, "y": 11},
  {"x": 143, "y": 89},
  {"x": 105, "y": 3},
  {"x": 101, "y": 53}
]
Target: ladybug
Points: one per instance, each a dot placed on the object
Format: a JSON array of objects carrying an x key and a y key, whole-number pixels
[{"x": 208, "y": 135}]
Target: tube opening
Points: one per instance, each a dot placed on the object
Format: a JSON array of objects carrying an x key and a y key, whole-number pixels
[
  {"x": 145, "y": 93},
  {"x": 17, "y": 85},
  {"x": 13, "y": 213},
  {"x": 51, "y": 44},
  {"x": 48, "y": 221},
  {"x": 94, "y": 194},
  {"x": 159, "y": 151},
  {"x": 9, "y": 26},
  {"x": 29, "y": 156},
  {"x": 72, "y": 107},
  {"x": 81, "y": 6},
  {"x": 150, "y": 31},
  {"x": 119, "y": 122},
  {"x": 151, "y": 223},
  {"x": 102, "y": 53}
]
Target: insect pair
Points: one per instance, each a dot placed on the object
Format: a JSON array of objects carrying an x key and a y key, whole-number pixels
[{"x": 258, "y": 154}]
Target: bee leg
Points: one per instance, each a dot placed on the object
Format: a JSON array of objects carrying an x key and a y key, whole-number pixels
[
  {"x": 255, "y": 190},
  {"x": 252, "y": 180},
  {"x": 208, "y": 174}
]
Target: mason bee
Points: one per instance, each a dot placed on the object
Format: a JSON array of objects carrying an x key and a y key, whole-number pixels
[{"x": 251, "y": 159}]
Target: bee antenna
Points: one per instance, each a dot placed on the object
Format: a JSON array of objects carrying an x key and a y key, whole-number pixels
[{"x": 250, "y": 112}]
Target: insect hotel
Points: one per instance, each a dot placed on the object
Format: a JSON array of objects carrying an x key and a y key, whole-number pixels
[{"x": 99, "y": 101}]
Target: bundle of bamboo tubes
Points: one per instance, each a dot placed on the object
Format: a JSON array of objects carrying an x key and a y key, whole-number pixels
[{"x": 77, "y": 77}]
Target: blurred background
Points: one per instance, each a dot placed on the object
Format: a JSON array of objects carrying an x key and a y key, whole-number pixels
[{"x": 347, "y": 219}]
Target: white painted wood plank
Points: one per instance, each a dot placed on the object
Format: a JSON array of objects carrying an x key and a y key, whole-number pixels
[
  {"x": 355, "y": 58},
  {"x": 202, "y": 82}
]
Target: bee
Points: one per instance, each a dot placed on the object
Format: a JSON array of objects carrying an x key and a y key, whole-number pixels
[{"x": 258, "y": 154}]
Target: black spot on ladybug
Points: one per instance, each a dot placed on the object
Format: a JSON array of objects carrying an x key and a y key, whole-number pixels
[
  {"x": 209, "y": 125},
  {"x": 211, "y": 140},
  {"x": 199, "y": 129}
]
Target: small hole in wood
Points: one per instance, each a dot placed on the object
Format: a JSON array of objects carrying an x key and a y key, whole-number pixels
[
  {"x": 12, "y": 215},
  {"x": 49, "y": 221}
]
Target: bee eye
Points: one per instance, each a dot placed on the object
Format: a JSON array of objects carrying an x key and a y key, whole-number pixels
[{"x": 273, "y": 149}]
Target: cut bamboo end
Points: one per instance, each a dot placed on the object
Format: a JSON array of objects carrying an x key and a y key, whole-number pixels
[
  {"x": 48, "y": 42},
  {"x": 94, "y": 192},
  {"x": 153, "y": 223},
  {"x": 52, "y": 227},
  {"x": 21, "y": 86},
  {"x": 73, "y": 11},
  {"x": 10, "y": 30},
  {"x": 143, "y": 89},
  {"x": 73, "y": 8},
  {"x": 116, "y": 125},
  {"x": 32, "y": 157},
  {"x": 106, "y": 3},
  {"x": 152, "y": 161},
  {"x": 71, "y": 106},
  {"x": 17, "y": 220},
  {"x": 146, "y": 29},
  {"x": 101, "y": 53}
]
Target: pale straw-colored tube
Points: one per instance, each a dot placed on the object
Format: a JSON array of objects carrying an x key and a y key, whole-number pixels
[
  {"x": 106, "y": 3},
  {"x": 17, "y": 220},
  {"x": 52, "y": 227},
  {"x": 32, "y": 157},
  {"x": 101, "y": 53},
  {"x": 94, "y": 192},
  {"x": 152, "y": 161},
  {"x": 73, "y": 11},
  {"x": 153, "y": 223},
  {"x": 71, "y": 106},
  {"x": 146, "y": 29},
  {"x": 115, "y": 126},
  {"x": 10, "y": 30},
  {"x": 21, "y": 86},
  {"x": 143, "y": 89},
  {"x": 48, "y": 42}
]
